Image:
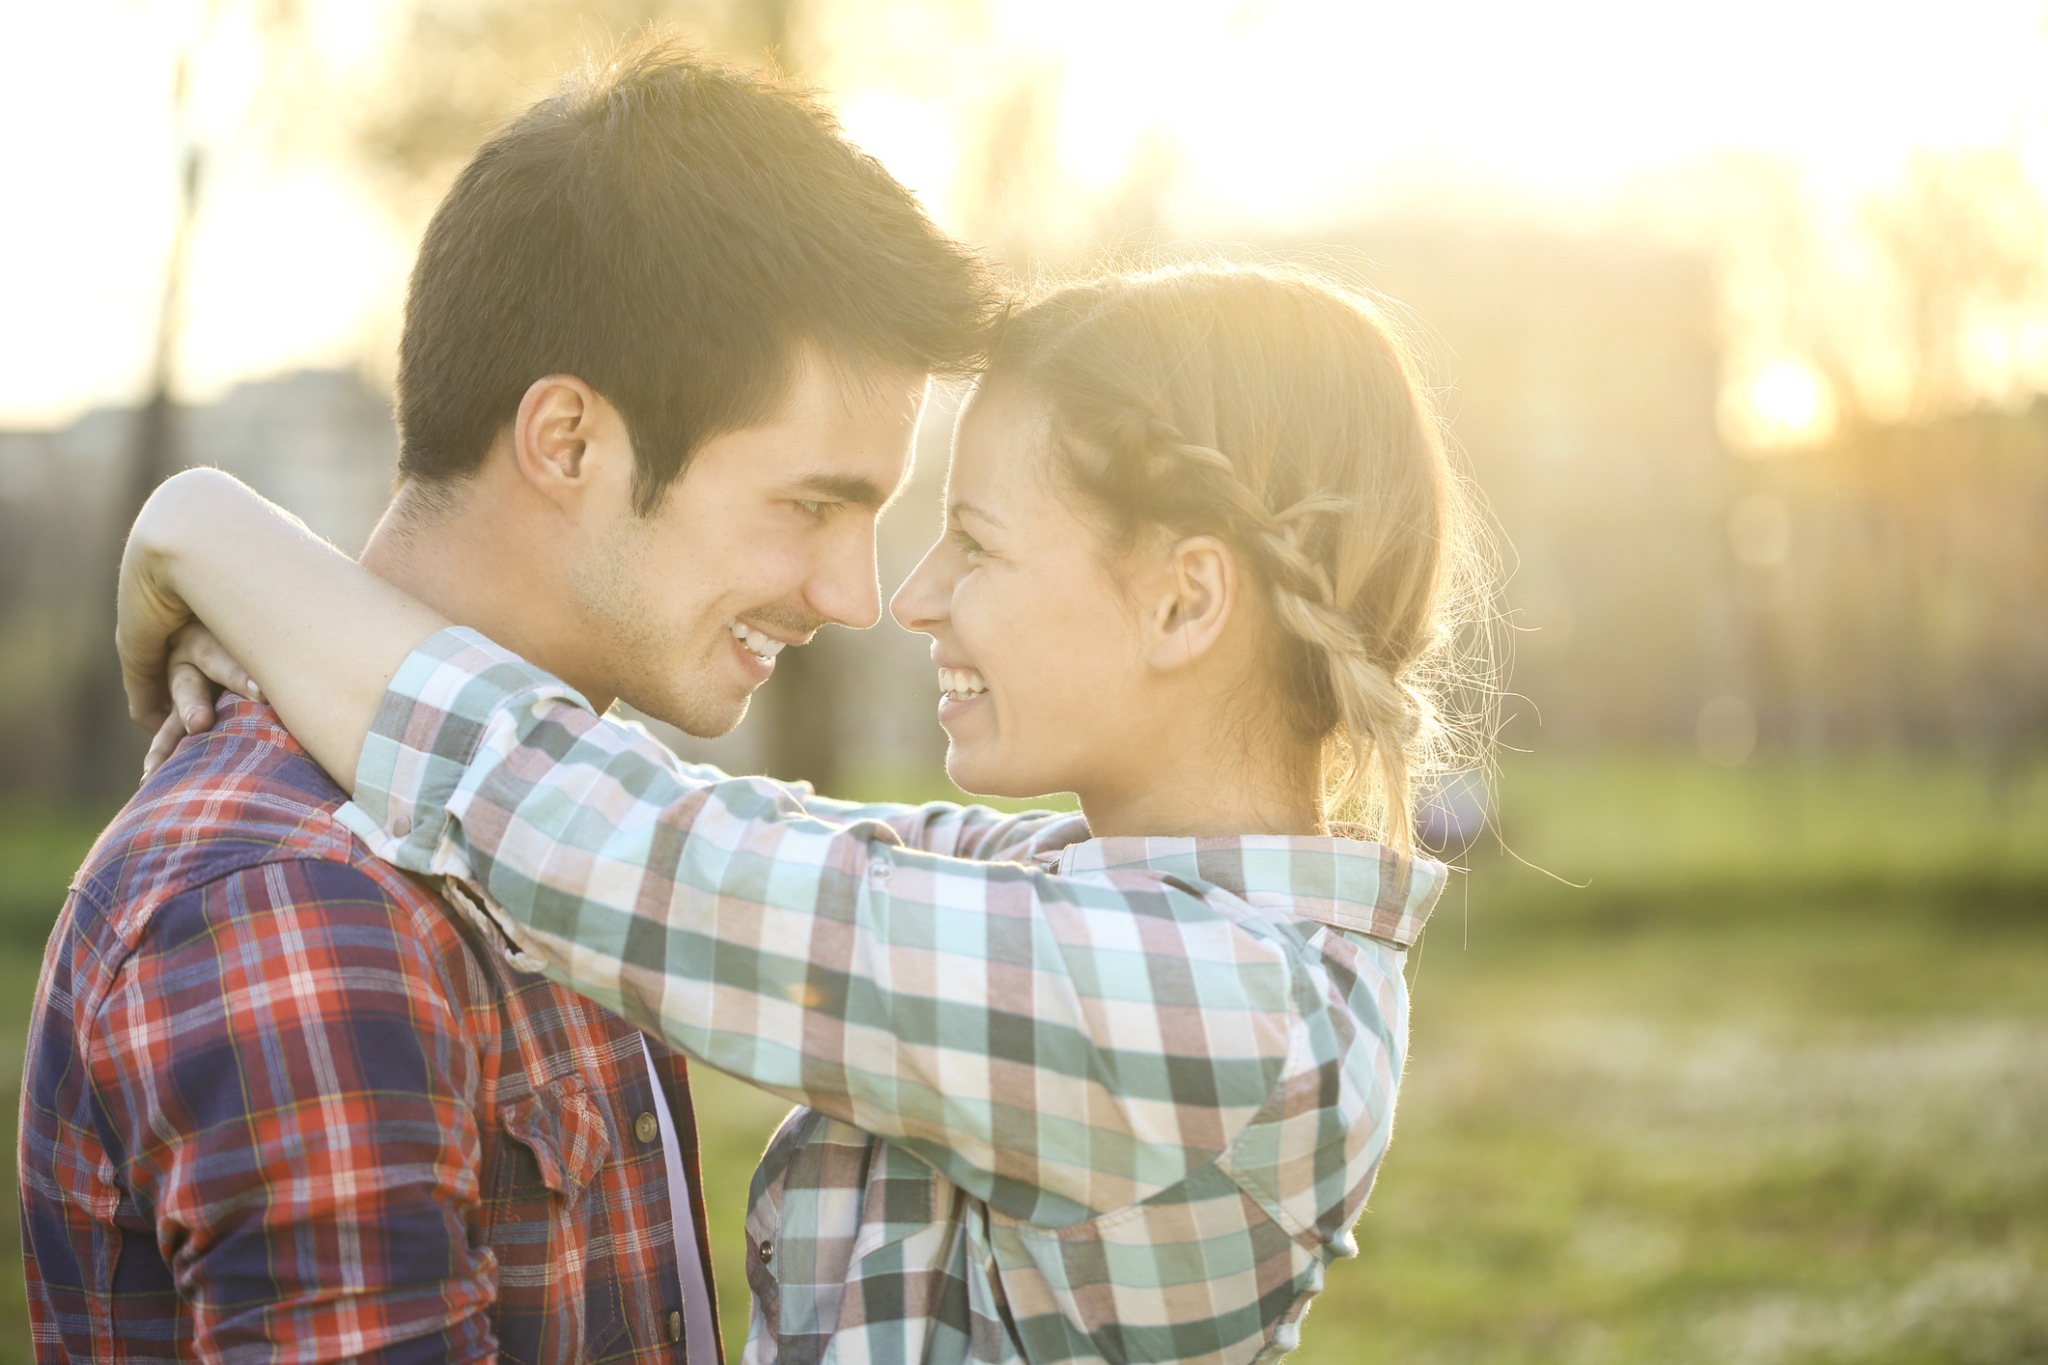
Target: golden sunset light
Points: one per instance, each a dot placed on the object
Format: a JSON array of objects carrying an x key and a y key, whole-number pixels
[
  {"x": 1087, "y": 592},
  {"x": 1243, "y": 118}
]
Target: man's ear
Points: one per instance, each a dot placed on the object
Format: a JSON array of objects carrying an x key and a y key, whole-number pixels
[
  {"x": 562, "y": 439},
  {"x": 1195, "y": 601}
]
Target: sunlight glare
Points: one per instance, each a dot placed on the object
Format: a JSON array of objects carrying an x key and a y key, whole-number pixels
[
  {"x": 910, "y": 136},
  {"x": 1782, "y": 405}
]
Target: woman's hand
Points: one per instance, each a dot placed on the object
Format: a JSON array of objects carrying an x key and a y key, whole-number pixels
[
  {"x": 198, "y": 668},
  {"x": 323, "y": 633},
  {"x": 149, "y": 612}
]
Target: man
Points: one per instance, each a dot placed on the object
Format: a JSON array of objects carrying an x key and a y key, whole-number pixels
[{"x": 665, "y": 348}]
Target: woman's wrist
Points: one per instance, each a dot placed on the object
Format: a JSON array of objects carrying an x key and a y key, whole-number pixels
[{"x": 149, "y": 606}]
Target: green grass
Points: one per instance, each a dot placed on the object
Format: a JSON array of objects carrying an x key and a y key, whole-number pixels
[
  {"x": 1814, "y": 1139},
  {"x": 1626, "y": 826},
  {"x": 1771, "y": 1090}
]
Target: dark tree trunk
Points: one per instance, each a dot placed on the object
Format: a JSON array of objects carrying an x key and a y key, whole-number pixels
[{"x": 107, "y": 746}]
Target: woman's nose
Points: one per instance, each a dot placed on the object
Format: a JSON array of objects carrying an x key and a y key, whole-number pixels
[{"x": 920, "y": 604}]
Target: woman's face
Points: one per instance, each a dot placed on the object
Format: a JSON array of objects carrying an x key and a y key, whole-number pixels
[{"x": 1041, "y": 666}]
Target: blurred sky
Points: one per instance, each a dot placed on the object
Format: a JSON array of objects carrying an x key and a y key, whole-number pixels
[{"x": 1281, "y": 115}]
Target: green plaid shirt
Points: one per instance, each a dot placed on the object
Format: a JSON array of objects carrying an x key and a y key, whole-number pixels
[{"x": 1068, "y": 1099}]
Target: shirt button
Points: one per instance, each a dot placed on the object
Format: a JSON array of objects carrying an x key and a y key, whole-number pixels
[
  {"x": 647, "y": 1128},
  {"x": 879, "y": 870},
  {"x": 675, "y": 1326},
  {"x": 402, "y": 826},
  {"x": 767, "y": 1252}
]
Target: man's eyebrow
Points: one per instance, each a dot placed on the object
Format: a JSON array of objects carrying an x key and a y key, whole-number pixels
[{"x": 857, "y": 489}]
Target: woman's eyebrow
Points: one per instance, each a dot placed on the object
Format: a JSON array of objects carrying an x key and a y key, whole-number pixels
[{"x": 962, "y": 508}]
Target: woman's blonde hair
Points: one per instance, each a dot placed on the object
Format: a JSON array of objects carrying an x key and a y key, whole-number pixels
[{"x": 1280, "y": 412}]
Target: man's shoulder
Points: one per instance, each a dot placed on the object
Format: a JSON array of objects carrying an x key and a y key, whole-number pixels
[{"x": 241, "y": 796}]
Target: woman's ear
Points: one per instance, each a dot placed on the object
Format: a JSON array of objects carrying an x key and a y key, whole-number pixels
[
  {"x": 1197, "y": 598},
  {"x": 560, "y": 438}
]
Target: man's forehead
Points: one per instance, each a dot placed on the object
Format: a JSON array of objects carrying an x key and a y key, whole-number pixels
[{"x": 860, "y": 384}]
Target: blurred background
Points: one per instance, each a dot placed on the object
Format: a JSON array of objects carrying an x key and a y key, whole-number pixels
[{"x": 1733, "y": 1043}]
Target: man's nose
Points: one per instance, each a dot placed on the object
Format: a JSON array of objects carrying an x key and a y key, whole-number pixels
[{"x": 846, "y": 588}]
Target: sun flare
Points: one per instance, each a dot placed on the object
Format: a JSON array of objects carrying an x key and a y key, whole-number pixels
[{"x": 1782, "y": 405}]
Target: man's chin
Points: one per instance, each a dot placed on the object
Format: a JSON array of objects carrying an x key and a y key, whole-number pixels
[{"x": 700, "y": 716}]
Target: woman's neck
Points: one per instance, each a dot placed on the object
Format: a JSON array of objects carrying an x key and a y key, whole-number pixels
[{"x": 1201, "y": 793}]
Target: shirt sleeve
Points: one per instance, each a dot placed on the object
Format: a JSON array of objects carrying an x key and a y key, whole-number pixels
[
  {"x": 1056, "y": 1046},
  {"x": 970, "y": 831},
  {"x": 284, "y": 1094}
]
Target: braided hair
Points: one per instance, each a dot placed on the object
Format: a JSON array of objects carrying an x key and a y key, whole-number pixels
[{"x": 1283, "y": 414}]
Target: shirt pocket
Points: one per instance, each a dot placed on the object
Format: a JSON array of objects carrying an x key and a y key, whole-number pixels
[{"x": 544, "y": 1213}]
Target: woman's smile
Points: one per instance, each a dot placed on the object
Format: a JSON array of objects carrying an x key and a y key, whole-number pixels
[
  {"x": 961, "y": 693},
  {"x": 962, "y": 684},
  {"x": 1013, "y": 581}
]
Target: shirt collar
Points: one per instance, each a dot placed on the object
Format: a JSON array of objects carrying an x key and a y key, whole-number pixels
[{"x": 1350, "y": 884}]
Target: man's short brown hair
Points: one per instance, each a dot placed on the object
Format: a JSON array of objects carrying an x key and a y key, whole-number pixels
[{"x": 672, "y": 232}]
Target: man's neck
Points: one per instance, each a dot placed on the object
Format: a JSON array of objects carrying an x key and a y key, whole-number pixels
[{"x": 472, "y": 567}]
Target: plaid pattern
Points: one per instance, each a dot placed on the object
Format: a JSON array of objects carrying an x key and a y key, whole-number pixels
[
  {"x": 281, "y": 1105},
  {"x": 1068, "y": 1099}
]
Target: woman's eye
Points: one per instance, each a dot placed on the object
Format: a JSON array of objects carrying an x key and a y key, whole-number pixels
[{"x": 966, "y": 544}]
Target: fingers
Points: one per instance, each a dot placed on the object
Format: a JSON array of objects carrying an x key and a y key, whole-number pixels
[
  {"x": 198, "y": 665},
  {"x": 148, "y": 689},
  {"x": 165, "y": 744},
  {"x": 191, "y": 697},
  {"x": 147, "y": 616},
  {"x": 200, "y": 648},
  {"x": 195, "y": 666}
]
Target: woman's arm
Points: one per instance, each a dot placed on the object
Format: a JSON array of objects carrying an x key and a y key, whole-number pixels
[
  {"x": 1055, "y": 1045},
  {"x": 958, "y": 831},
  {"x": 320, "y": 635}
]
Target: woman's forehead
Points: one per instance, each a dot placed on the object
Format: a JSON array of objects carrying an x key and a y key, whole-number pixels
[{"x": 999, "y": 449}]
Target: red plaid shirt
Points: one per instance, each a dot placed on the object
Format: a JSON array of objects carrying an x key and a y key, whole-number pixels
[{"x": 283, "y": 1104}]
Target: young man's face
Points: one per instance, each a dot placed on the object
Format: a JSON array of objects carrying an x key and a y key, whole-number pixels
[{"x": 768, "y": 535}]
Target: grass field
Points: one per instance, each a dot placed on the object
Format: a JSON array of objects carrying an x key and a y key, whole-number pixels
[{"x": 1772, "y": 1088}]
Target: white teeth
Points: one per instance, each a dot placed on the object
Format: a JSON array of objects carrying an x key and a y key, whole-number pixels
[
  {"x": 757, "y": 644},
  {"x": 961, "y": 683}
]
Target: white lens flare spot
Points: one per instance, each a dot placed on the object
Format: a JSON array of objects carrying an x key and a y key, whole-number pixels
[{"x": 1783, "y": 405}]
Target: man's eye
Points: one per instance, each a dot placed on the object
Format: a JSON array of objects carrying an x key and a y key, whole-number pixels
[
  {"x": 967, "y": 544},
  {"x": 816, "y": 511}
]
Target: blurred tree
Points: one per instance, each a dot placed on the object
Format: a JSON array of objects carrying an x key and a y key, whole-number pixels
[
  {"x": 1913, "y": 303},
  {"x": 1009, "y": 180},
  {"x": 465, "y": 65},
  {"x": 1965, "y": 242},
  {"x": 107, "y": 751},
  {"x": 1903, "y": 607}
]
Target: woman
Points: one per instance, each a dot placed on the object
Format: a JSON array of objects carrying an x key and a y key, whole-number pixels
[{"x": 1111, "y": 1093}]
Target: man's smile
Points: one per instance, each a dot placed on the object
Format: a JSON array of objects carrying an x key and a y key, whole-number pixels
[{"x": 756, "y": 641}]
